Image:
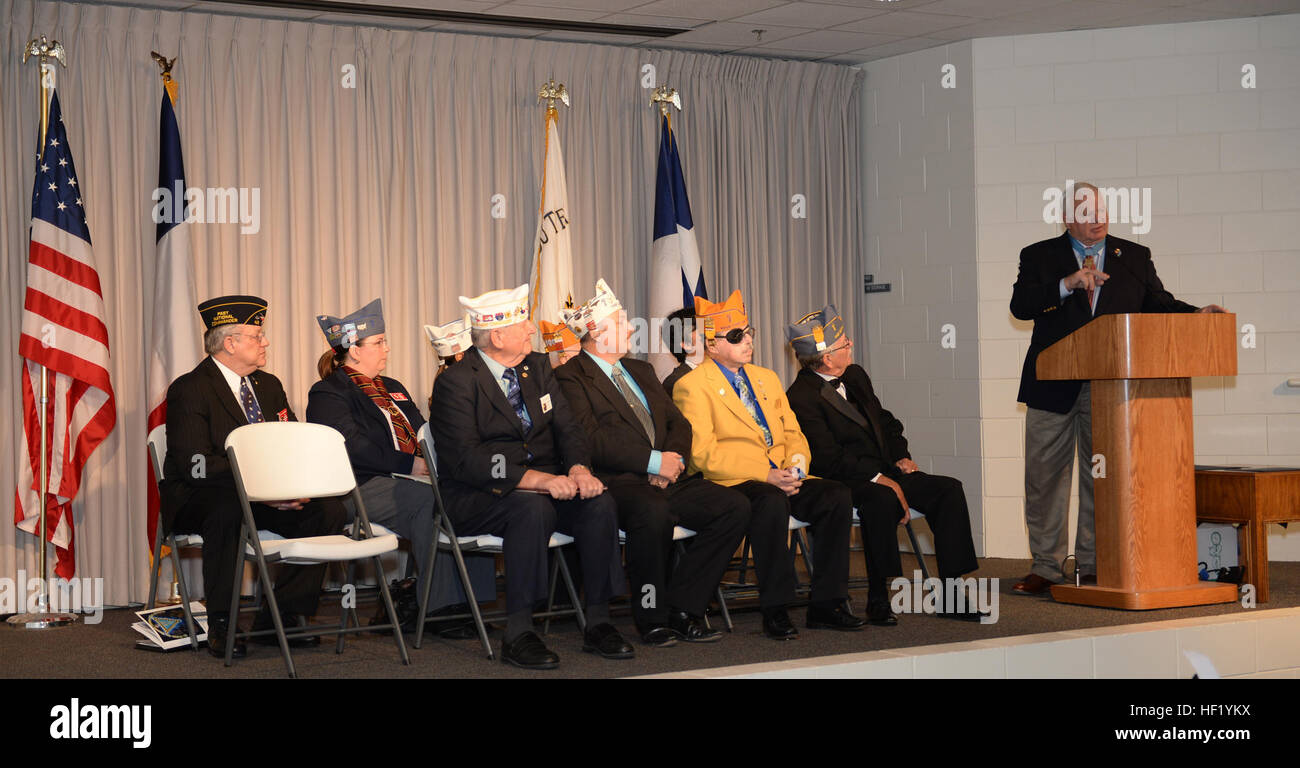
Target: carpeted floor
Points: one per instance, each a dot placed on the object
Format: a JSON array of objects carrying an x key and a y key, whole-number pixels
[{"x": 106, "y": 650}]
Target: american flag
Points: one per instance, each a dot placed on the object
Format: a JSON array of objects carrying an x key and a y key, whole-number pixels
[{"x": 63, "y": 329}]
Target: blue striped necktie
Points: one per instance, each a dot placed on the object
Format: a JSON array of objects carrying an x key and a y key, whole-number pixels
[{"x": 516, "y": 398}]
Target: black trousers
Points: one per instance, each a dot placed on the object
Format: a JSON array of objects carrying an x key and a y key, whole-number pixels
[
  {"x": 828, "y": 507},
  {"x": 943, "y": 502},
  {"x": 719, "y": 516},
  {"x": 216, "y": 515},
  {"x": 525, "y": 521}
]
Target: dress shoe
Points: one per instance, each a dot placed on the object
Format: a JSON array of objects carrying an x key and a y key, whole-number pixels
[
  {"x": 660, "y": 636},
  {"x": 966, "y": 611},
  {"x": 836, "y": 617},
  {"x": 605, "y": 641},
  {"x": 529, "y": 652},
  {"x": 217, "y": 629},
  {"x": 290, "y": 621},
  {"x": 879, "y": 614},
  {"x": 1033, "y": 584},
  {"x": 692, "y": 628},
  {"x": 1088, "y": 580},
  {"x": 777, "y": 625}
]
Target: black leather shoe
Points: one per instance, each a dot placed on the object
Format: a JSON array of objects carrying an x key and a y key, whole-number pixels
[
  {"x": 692, "y": 628},
  {"x": 968, "y": 611},
  {"x": 660, "y": 636},
  {"x": 822, "y": 617},
  {"x": 217, "y": 629},
  {"x": 529, "y": 652},
  {"x": 777, "y": 625},
  {"x": 605, "y": 641},
  {"x": 289, "y": 620},
  {"x": 879, "y": 614}
]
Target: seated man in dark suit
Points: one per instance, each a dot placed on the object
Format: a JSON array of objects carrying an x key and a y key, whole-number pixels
[
  {"x": 639, "y": 443},
  {"x": 856, "y": 441},
  {"x": 685, "y": 342},
  {"x": 380, "y": 423},
  {"x": 1063, "y": 284},
  {"x": 744, "y": 436},
  {"x": 514, "y": 462},
  {"x": 225, "y": 391}
]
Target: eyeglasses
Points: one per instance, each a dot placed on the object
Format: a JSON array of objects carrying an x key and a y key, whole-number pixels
[
  {"x": 736, "y": 335},
  {"x": 848, "y": 343},
  {"x": 258, "y": 338},
  {"x": 377, "y": 343}
]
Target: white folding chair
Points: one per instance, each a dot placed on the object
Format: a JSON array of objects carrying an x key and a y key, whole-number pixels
[
  {"x": 157, "y": 454},
  {"x": 484, "y": 544},
  {"x": 293, "y": 460},
  {"x": 742, "y": 587}
]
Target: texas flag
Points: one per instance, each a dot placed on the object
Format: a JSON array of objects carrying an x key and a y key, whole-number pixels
[{"x": 676, "y": 277}]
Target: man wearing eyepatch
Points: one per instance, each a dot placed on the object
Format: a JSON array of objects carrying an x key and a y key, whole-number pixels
[{"x": 745, "y": 436}]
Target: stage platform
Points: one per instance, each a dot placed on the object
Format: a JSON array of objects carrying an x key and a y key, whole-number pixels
[{"x": 1033, "y": 637}]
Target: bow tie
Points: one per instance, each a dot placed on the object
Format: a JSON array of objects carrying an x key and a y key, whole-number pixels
[{"x": 835, "y": 383}]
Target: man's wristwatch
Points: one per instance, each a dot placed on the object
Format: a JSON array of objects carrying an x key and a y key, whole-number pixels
[{"x": 582, "y": 467}]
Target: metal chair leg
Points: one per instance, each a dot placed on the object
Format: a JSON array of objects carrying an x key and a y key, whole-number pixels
[
  {"x": 185, "y": 595},
  {"x": 916, "y": 550},
  {"x": 155, "y": 568},
  {"x": 392, "y": 612},
  {"x": 573, "y": 592}
]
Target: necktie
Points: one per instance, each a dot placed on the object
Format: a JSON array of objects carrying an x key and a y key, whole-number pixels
[
  {"x": 251, "y": 409},
  {"x": 516, "y": 398},
  {"x": 1090, "y": 262},
  {"x": 378, "y": 394},
  {"x": 747, "y": 399},
  {"x": 634, "y": 402}
]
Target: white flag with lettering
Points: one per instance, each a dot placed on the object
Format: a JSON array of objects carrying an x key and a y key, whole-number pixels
[{"x": 552, "y": 274}]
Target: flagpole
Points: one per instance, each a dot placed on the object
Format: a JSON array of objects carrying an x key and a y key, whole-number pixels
[{"x": 43, "y": 50}]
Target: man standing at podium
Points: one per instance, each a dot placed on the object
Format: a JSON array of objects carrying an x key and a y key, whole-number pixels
[{"x": 1063, "y": 284}]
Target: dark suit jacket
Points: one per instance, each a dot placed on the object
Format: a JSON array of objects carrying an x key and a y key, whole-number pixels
[
  {"x": 681, "y": 370},
  {"x": 619, "y": 445},
  {"x": 846, "y": 444},
  {"x": 1133, "y": 287},
  {"x": 473, "y": 423},
  {"x": 337, "y": 402},
  {"x": 201, "y": 413}
]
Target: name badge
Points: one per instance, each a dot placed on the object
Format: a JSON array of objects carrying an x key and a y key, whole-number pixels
[
  {"x": 398, "y": 396},
  {"x": 546, "y": 403}
]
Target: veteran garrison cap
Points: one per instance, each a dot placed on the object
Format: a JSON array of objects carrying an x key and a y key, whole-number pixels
[
  {"x": 816, "y": 331},
  {"x": 345, "y": 332},
  {"x": 232, "y": 310}
]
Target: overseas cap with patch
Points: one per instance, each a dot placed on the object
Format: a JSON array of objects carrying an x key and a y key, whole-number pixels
[
  {"x": 450, "y": 339},
  {"x": 816, "y": 331},
  {"x": 232, "y": 310},
  {"x": 557, "y": 336},
  {"x": 345, "y": 332},
  {"x": 585, "y": 318},
  {"x": 718, "y": 318},
  {"x": 497, "y": 309}
]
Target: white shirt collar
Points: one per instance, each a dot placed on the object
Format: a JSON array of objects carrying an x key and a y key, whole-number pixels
[
  {"x": 843, "y": 392},
  {"x": 232, "y": 379}
]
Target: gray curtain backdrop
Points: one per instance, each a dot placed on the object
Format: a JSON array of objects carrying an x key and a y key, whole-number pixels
[{"x": 386, "y": 190}]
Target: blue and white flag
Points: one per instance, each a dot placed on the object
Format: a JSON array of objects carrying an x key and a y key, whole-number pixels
[{"x": 676, "y": 277}]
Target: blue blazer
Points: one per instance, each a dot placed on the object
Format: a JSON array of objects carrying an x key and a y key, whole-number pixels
[{"x": 337, "y": 402}]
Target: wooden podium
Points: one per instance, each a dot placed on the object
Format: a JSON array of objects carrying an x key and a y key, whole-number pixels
[{"x": 1141, "y": 366}]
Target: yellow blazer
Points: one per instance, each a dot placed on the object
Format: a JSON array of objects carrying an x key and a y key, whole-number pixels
[{"x": 726, "y": 443}]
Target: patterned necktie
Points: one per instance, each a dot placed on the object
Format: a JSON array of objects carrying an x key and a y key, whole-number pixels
[
  {"x": 634, "y": 402},
  {"x": 747, "y": 399},
  {"x": 516, "y": 398},
  {"x": 251, "y": 409},
  {"x": 1090, "y": 262},
  {"x": 378, "y": 394}
]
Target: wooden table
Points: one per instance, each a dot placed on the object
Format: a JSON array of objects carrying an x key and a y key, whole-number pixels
[{"x": 1251, "y": 497}]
